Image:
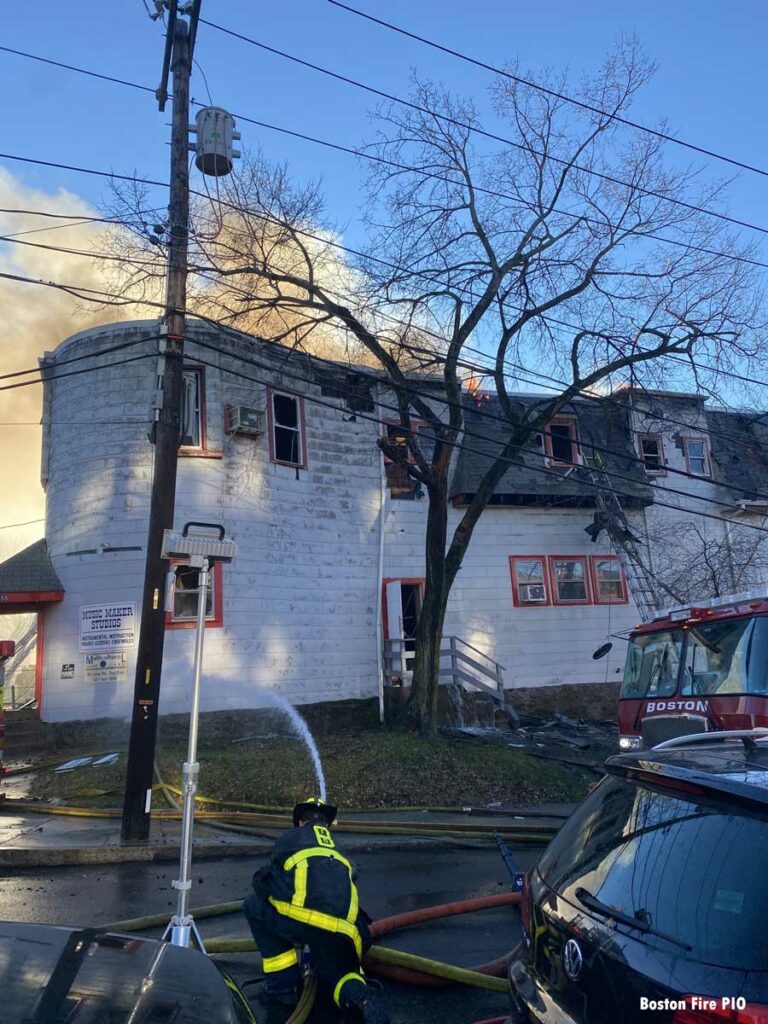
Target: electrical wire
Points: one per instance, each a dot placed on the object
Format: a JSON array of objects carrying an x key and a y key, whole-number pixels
[
  {"x": 480, "y": 131},
  {"x": 665, "y": 136},
  {"x": 369, "y": 156},
  {"x": 14, "y": 526}
]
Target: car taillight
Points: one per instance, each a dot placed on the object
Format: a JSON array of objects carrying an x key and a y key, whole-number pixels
[
  {"x": 525, "y": 906},
  {"x": 720, "y": 1010}
]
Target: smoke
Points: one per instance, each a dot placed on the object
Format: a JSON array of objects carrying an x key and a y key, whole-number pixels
[{"x": 36, "y": 319}]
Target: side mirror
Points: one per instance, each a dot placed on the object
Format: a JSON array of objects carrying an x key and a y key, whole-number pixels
[{"x": 602, "y": 651}]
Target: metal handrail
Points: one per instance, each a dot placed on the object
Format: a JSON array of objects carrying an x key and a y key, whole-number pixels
[{"x": 481, "y": 653}]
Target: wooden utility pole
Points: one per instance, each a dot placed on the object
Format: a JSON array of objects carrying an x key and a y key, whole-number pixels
[{"x": 168, "y": 431}]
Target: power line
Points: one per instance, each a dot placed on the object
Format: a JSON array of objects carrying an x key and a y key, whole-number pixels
[
  {"x": 76, "y": 373},
  {"x": 71, "y": 67},
  {"x": 373, "y": 157},
  {"x": 480, "y": 131},
  {"x": 13, "y": 526},
  {"x": 78, "y": 359},
  {"x": 550, "y": 92}
]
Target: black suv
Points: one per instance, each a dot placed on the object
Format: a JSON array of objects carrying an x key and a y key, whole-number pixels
[{"x": 651, "y": 903}]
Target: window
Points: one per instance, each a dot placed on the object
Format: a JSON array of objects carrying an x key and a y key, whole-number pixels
[
  {"x": 652, "y": 453},
  {"x": 569, "y": 579},
  {"x": 401, "y": 484},
  {"x": 727, "y": 657},
  {"x": 186, "y": 590},
  {"x": 696, "y": 457},
  {"x": 287, "y": 443},
  {"x": 561, "y": 441},
  {"x": 193, "y": 409},
  {"x": 652, "y": 666},
  {"x": 529, "y": 581},
  {"x": 608, "y": 583}
]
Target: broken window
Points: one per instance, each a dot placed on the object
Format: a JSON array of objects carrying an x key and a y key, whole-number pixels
[
  {"x": 287, "y": 429},
  {"x": 608, "y": 580},
  {"x": 696, "y": 457},
  {"x": 652, "y": 453},
  {"x": 399, "y": 456},
  {"x": 561, "y": 441},
  {"x": 192, "y": 405},
  {"x": 186, "y": 594}
]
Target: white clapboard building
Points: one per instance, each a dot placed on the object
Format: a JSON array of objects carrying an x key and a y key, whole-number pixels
[{"x": 319, "y": 605}]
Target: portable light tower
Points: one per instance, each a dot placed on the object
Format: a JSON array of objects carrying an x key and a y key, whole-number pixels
[{"x": 197, "y": 547}]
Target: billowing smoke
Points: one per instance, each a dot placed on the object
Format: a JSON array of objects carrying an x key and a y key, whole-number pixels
[{"x": 34, "y": 320}]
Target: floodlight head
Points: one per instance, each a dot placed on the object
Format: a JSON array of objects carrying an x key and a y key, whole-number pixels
[{"x": 198, "y": 540}]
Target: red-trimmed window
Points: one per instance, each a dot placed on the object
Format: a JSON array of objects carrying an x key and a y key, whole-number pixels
[
  {"x": 193, "y": 433},
  {"x": 530, "y": 587},
  {"x": 186, "y": 592},
  {"x": 569, "y": 578},
  {"x": 561, "y": 441},
  {"x": 287, "y": 429},
  {"x": 651, "y": 451},
  {"x": 609, "y": 585},
  {"x": 696, "y": 456}
]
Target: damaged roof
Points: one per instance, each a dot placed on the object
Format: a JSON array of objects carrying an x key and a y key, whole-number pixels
[
  {"x": 531, "y": 481},
  {"x": 738, "y": 445},
  {"x": 28, "y": 579}
]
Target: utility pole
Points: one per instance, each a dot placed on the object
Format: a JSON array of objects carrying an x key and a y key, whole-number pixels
[{"x": 168, "y": 426}]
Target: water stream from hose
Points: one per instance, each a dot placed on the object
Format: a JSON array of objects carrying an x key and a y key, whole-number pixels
[{"x": 303, "y": 730}]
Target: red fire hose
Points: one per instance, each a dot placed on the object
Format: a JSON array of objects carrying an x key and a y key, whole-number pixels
[{"x": 495, "y": 968}]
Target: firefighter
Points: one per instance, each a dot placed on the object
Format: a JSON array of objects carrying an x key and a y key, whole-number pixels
[{"x": 306, "y": 896}]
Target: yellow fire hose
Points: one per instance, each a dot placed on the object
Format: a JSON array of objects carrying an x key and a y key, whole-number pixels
[{"x": 538, "y": 835}]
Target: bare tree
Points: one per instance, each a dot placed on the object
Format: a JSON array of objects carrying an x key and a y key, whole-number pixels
[
  {"x": 700, "y": 560},
  {"x": 562, "y": 241}
]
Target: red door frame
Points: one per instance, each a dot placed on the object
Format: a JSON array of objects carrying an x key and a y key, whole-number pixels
[{"x": 397, "y": 579}]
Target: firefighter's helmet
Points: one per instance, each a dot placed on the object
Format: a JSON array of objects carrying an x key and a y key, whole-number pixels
[{"x": 315, "y": 806}]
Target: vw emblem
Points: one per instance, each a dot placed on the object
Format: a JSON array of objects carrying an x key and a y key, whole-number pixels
[{"x": 573, "y": 960}]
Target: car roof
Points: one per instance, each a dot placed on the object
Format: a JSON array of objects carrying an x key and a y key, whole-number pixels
[
  {"x": 727, "y": 767},
  {"x": 49, "y": 972}
]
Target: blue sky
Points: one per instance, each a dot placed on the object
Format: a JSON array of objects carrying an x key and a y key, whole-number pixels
[{"x": 710, "y": 84}]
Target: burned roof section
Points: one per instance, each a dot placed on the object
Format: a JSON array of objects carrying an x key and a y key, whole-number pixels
[
  {"x": 603, "y": 435},
  {"x": 739, "y": 448}
]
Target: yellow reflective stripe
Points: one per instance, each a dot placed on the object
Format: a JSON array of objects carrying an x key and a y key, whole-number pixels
[
  {"x": 279, "y": 962},
  {"x": 353, "y": 904},
  {"x": 340, "y": 985},
  {"x": 315, "y": 851},
  {"x": 299, "y": 897},
  {"x": 316, "y": 919}
]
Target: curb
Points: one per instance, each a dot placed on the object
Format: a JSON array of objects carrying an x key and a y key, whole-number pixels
[{"x": 36, "y": 857}]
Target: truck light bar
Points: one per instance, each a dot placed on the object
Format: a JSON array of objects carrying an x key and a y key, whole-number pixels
[{"x": 679, "y": 613}]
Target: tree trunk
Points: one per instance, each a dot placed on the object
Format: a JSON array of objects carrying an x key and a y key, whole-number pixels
[{"x": 422, "y": 706}]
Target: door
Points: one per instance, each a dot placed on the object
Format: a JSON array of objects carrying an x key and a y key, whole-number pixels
[{"x": 402, "y": 609}]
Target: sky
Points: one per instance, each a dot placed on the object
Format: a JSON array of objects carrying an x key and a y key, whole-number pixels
[{"x": 710, "y": 87}]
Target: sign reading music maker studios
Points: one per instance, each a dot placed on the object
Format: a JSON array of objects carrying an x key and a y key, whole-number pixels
[{"x": 107, "y": 627}]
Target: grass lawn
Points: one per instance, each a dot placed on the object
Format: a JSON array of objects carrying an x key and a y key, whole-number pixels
[{"x": 363, "y": 768}]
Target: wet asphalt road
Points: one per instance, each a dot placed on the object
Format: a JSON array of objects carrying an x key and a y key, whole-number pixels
[{"x": 389, "y": 883}]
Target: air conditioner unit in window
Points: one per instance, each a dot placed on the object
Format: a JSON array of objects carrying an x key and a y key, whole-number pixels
[
  {"x": 533, "y": 592},
  {"x": 244, "y": 420}
]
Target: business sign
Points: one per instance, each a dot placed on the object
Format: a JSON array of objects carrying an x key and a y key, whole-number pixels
[
  {"x": 68, "y": 670},
  {"x": 109, "y": 667},
  {"x": 107, "y": 627}
]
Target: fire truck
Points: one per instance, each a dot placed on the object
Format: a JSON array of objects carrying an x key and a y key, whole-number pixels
[{"x": 696, "y": 668}]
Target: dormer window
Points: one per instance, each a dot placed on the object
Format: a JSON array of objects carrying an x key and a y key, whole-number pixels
[
  {"x": 561, "y": 441},
  {"x": 696, "y": 456},
  {"x": 652, "y": 453}
]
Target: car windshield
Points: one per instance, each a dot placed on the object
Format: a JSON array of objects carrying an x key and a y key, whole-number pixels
[
  {"x": 687, "y": 867},
  {"x": 652, "y": 665},
  {"x": 727, "y": 657}
]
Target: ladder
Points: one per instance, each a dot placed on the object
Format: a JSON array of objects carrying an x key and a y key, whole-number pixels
[{"x": 611, "y": 516}]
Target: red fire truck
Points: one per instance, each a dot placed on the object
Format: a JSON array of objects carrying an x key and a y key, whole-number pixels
[{"x": 696, "y": 668}]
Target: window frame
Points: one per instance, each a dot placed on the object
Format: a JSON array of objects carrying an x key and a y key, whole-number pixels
[
  {"x": 597, "y": 599},
  {"x": 199, "y": 373},
  {"x": 516, "y": 598},
  {"x": 556, "y": 599},
  {"x": 697, "y": 439},
  {"x": 409, "y": 492},
  {"x": 217, "y": 619},
  {"x": 662, "y": 470},
  {"x": 301, "y": 420},
  {"x": 573, "y": 428}
]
